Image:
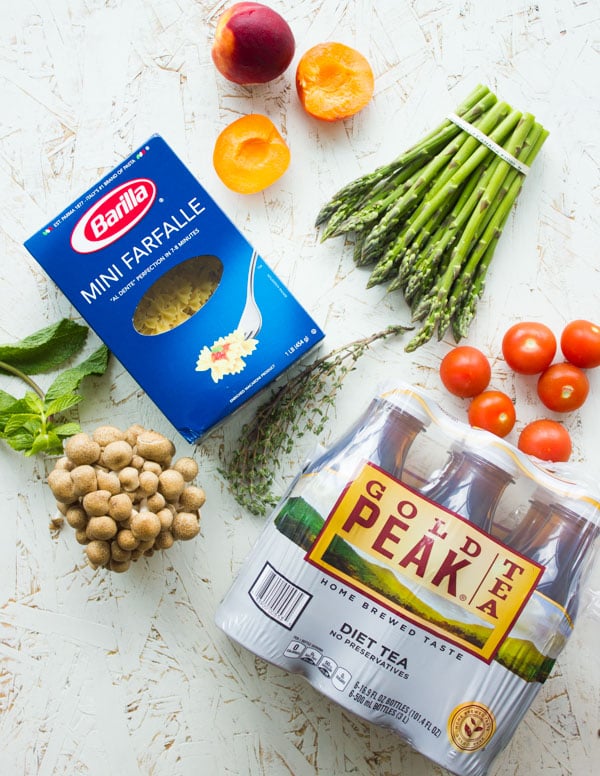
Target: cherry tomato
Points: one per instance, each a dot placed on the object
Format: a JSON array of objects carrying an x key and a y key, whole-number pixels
[
  {"x": 546, "y": 440},
  {"x": 580, "y": 343},
  {"x": 563, "y": 387},
  {"x": 493, "y": 411},
  {"x": 465, "y": 371},
  {"x": 528, "y": 347}
]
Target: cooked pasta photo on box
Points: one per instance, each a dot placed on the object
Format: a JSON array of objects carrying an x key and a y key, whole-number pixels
[{"x": 174, "y": 289}]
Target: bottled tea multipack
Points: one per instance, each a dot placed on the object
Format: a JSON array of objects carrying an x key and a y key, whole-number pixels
[{"x": 424, "y": 575}]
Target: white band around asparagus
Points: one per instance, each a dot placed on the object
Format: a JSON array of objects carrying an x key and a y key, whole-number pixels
[{"x": 486, "y": 141}]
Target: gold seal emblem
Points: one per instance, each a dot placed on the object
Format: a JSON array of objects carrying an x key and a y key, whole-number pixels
[{"x": 470, "y": 726}]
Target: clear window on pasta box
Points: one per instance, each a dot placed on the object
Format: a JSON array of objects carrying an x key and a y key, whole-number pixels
[{"x": 174, "y": 289}]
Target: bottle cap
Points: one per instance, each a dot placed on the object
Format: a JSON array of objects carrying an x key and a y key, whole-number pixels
[
  {"x": 556, "y": 491},
  {"x": 409, "y": 402}
]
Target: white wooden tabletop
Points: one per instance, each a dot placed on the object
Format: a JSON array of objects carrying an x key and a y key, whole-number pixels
[{"x": 127, "y": 674}]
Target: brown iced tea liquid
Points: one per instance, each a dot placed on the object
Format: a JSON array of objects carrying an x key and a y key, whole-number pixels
[
  {"x": 399, "y": 432},
  {"x": 471, "y": 485},
  {"x": 558, "y": 538}
]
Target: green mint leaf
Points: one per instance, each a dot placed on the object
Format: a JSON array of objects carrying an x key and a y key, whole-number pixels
[
  {"x": 65, "y": 430},
  {"x": 18, "y": 405},
  {"x": 69, "y": 380},
  {"x": 21, "y": 420},
  {"x": 20, "y": 442},
  {"x": 33, "y": 403},
  {"x": 6, "y": 400},
  {"x": 47, "y": 348},
  {"x": 48, "y": 443},
  {"x": 24, "y": 423},
  {"x": 62, "y": 403}
]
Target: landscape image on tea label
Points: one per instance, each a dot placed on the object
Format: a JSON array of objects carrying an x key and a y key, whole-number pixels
[{"x": 526, "y": 652}]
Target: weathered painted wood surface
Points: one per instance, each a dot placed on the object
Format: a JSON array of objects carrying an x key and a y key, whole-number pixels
[{"x": 127, "y": 674}]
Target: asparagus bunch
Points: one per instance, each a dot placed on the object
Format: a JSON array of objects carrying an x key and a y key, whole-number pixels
[{"x": 430, "y": 220}]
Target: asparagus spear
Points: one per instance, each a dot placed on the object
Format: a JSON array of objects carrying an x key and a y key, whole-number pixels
[
  {"x": 439, "y": 307},
  {"x": 430, "y": 220},
  {"x": 468, "y": 302},
  {"x": 347, "y": 198}
]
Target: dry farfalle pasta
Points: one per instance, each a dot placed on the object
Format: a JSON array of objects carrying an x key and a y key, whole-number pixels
[
  {"x": 177, "y": 295},
  {"x": 125, "y": 494}
]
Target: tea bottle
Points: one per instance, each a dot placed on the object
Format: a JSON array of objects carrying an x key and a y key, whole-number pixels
[
  {"x": 399, "y": 431},
  {"x": 383, "y": 434},
  {"x": 557, "y": 534},
  {"x": 471, "y": 483}
]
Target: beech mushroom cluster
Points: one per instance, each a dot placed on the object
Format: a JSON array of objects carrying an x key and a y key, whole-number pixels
[{"x": 125, "y": 494}]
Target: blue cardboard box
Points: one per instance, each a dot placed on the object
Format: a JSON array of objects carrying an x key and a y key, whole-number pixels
[{"x": 174, "y": 289}]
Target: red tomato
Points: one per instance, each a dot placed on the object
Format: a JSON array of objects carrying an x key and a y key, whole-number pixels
[
  {"x": 563, "y": 387},
  {"x": 528, "y": 347},
  {"x": 465, "y": 371},
  {"x": 493, "y": 411},
  {"x": 546, "y": 440},
  {"x": 580, "y": 344}
]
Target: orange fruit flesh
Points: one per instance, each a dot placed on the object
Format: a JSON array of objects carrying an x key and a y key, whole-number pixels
[
  {"x": 250, "y": 154},
  {"x": 334, "y": 81}
]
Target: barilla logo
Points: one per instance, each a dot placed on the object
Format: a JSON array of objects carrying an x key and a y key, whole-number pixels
[{"x": 113, "y": 216}]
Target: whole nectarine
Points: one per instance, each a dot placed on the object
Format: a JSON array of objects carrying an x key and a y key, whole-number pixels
[{"x": 253, "y": 44}]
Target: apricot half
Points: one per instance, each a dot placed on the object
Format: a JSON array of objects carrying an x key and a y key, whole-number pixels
[
  {"x": 334, "y": 81},
  {"x": 253, "y": 44},
  {"x": 250, "y": 154}
]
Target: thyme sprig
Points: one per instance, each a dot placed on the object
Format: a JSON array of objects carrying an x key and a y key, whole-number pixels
[{"x": 300, "y": 405}]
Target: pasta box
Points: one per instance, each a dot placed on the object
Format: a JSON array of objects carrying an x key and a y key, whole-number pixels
[{"x": 174, "y": 289}]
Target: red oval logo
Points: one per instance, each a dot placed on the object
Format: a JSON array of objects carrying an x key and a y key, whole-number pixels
[{"x": 114, "y": 215}]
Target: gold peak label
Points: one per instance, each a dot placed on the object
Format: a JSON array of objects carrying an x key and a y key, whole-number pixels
[{"x": 424, "y": 562}]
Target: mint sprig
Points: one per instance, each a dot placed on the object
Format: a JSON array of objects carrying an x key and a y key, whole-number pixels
[
  {"x": 46, "y": 349},
  {"x": 34, "y": 423}
]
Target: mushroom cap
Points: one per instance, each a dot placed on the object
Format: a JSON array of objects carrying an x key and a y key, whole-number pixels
[
  {"x": 129, "y": 477},
  {"x": 148, "y": 482},
  {"x": 108, "y": 480},
  {"x": 164, "y": 540},
  {"x": 192, "y": 497},
  {"x": 62, "y": 486},
  {"x": 120, "y": 507},
  {"x": 171, "y": 484},
  {"x": 84, "y": 479},
  {"x": 126, "y": 540},
  {"x": 81, "y": 448},
  {"x": 185, "y": 525},
  {"x": 103, "y": 527},
  {"x": 97, "y": 502},
  {"x": 154, "y": 446},
  {"x": 106, "y": 434},
  {"x": 145, "y": 525},
  {"x": 117, "y": 454},
  {"x": 98, "y": 552},
  {"x": 76, "y": 516},
  {"x": 188, "y": 468}
]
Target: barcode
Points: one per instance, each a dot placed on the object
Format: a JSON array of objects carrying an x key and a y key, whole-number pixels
[{"x": 277, "y": 597}]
